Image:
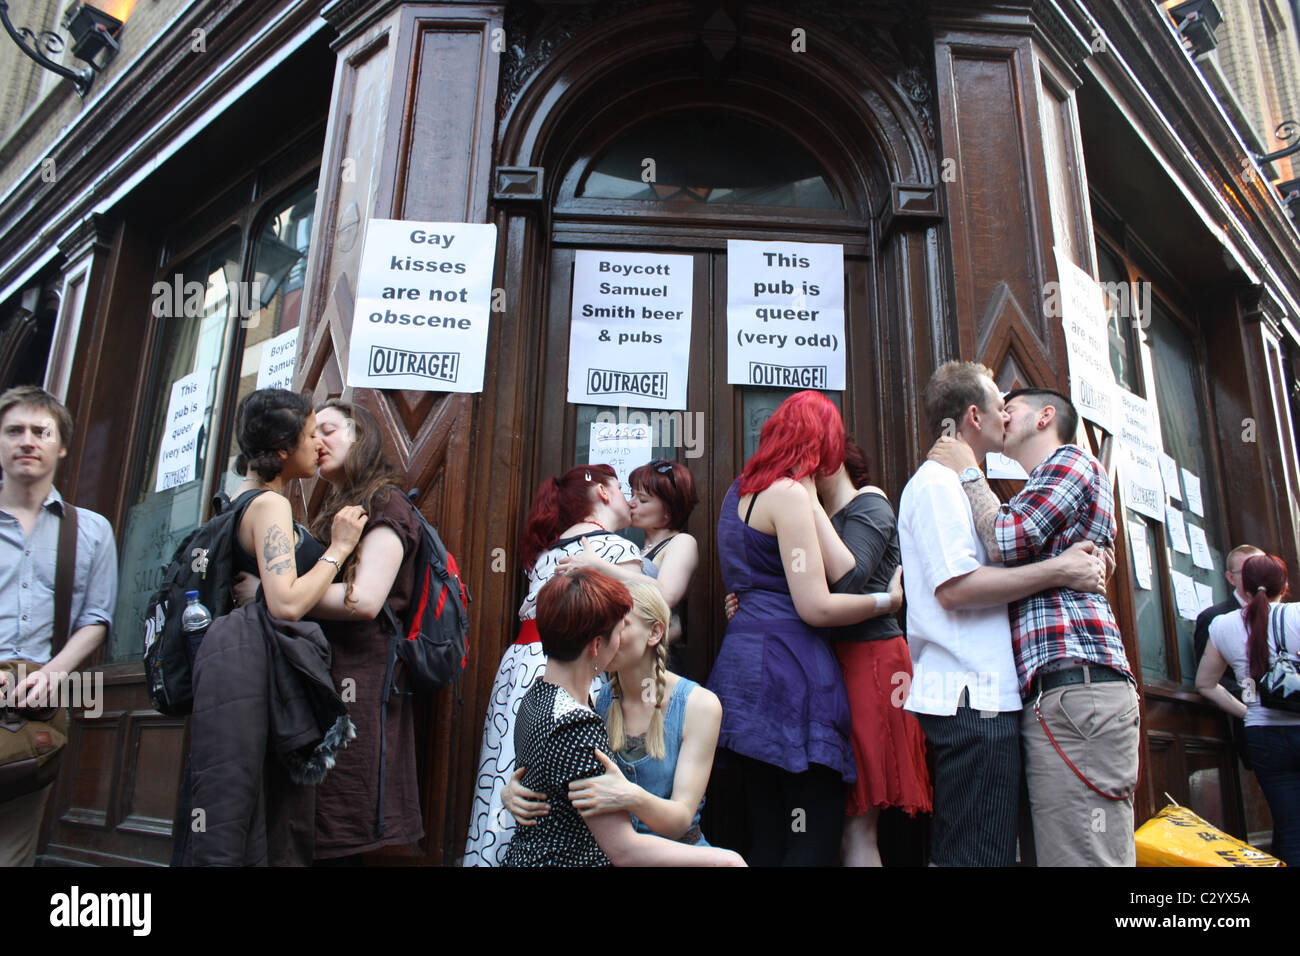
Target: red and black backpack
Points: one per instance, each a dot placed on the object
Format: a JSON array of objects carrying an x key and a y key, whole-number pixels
[{"x": 432, "y": 642}]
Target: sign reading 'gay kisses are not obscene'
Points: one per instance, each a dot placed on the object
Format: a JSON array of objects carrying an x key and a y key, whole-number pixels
[
  {"x": 424, "y": 298},
  {"x": 785, "y": 314}
]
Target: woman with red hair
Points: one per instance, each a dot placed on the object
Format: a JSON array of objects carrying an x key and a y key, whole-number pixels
[
  {"x": 785, "y": 713},
  {"x": 580, "y": 619},
  {"x": 1250, "y": 642},
  {"x": 584, "y": 504}
]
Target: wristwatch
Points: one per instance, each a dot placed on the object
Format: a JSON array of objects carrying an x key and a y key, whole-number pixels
[{"x": 970, "y": 474}]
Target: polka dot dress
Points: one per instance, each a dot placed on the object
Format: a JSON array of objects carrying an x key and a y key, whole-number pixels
[
  {"x": 491, "y": 825},
  {"x": 554, "y": 738}
]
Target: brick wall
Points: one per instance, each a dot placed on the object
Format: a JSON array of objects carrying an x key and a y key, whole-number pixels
[
  {"x": 36, "y": 105},
  {"x": 1260, "y": 58}
]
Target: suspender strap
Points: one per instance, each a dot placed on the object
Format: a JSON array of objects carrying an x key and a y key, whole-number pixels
[
  {"x": 65, "y": 567},
  {"x": 1038, "y": 712}
]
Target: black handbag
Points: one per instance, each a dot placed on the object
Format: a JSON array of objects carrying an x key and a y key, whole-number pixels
[{"x": 1279, "y": 688}]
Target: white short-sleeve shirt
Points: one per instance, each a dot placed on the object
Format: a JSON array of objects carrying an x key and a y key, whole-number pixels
[
  {"x": 1228, "y": 635},
  {"x": 951, "y": 650}
]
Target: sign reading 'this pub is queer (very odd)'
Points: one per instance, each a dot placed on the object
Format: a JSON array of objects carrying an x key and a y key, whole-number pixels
[
  {"x": 630, "y": 329},
  {"x": 785, "y": 314},
  {"x": 424, "y": 297}
]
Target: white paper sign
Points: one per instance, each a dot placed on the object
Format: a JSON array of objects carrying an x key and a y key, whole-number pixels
[
  {"x": 630, "y": 329},
  {"x": 185, "y": 413},
  {"x": 1200, "y": 547},
  {"x": 275, "y": 368},
  {"x": 998, "y": 465},
  {"x": 1192, "y": 485},
  {"x": 1185, "y": 595},
  {"x": 1138, "y": 547},
  {"x": 1138, "y": 435},
  {"x": 424, "y": 298},
  {"x": 623, "y": 446},
  {"x": 1204, "y": 596},
  {"x": 785, "y": 314},
  {"x": 1087, "y": 344},
  {"x": 1177, "y": 529},
  {"x": 1169, "y": 472}
]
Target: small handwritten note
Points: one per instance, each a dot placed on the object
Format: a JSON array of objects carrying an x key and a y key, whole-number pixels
[
  {"x": 1177, "y": 529},
  {"x": 1192, "y": 485},
  {"x": 621, "y": 445},
  {"x": 1138, "y": 546}
]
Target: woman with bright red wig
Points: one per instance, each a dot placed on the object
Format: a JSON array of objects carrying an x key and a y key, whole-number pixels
[
  {"x": 1250, "y": 642},
  {"x": 785, "y": 712}
]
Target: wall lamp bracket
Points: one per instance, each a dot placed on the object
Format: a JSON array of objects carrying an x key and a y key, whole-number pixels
[{"x": 94, "y": 42}]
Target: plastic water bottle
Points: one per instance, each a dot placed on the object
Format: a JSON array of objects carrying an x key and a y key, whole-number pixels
[{"x": 194, "y": 621}]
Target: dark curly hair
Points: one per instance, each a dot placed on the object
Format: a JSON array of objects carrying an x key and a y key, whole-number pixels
[{"x": 268, "y": 421}]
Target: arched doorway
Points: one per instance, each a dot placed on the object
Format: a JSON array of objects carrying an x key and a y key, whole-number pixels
[{"x": 762, "y": 142}]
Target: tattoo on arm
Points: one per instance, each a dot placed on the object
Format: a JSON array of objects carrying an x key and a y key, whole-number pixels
[
  {"x": 984, "y": 507},
  {"x": 276, "y": 545},
  {"x": 280, "y": 567}
]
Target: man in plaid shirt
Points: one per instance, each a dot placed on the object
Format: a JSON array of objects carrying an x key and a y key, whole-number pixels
[{"x": 1079, "y": 728}]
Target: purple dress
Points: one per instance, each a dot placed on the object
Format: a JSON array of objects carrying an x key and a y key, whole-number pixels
[{"x": 782, "y": 693}]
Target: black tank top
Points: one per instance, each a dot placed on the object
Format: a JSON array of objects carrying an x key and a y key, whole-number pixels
[{"x": 307, "y": 550}]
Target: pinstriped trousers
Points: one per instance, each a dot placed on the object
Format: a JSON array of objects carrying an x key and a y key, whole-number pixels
[{"x": 976, "y": 786}]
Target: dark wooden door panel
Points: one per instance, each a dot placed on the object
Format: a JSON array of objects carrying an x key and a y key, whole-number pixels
[{"x": 117, "y": 807}]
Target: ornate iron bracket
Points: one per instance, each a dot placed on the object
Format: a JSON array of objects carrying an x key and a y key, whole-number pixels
[
  {"x": 52, "y": 43},
  {"x": 1286, "y": 131}
]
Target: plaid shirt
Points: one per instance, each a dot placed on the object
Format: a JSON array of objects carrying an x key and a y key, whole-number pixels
[{"x": 1067, "y": 499}]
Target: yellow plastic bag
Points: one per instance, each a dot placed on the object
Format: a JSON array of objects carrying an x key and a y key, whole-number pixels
[{"x": 1177, "y": 837}]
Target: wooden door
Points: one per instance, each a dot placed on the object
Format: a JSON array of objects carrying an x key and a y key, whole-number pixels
[{"x": 719, "y": 431}]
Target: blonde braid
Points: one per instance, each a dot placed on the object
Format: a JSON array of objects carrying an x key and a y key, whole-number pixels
[
  {"x": 655, "y": 737},
  {"x": 614, "y": 722}
]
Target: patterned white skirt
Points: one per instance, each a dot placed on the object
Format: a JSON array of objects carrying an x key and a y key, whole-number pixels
[{"x": 490, "y": 825}]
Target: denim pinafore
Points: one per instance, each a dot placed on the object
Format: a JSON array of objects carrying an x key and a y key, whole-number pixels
[{"x": 656, "y": 776}]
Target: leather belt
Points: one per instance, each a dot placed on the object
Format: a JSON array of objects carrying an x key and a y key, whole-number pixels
[{"x": 1083, "y": 674}]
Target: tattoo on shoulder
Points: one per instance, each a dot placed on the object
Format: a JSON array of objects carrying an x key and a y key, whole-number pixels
[{"x": 276, "y": 544}]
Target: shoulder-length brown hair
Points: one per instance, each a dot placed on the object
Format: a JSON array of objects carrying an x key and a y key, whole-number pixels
[{"x": 368, "y": 479}]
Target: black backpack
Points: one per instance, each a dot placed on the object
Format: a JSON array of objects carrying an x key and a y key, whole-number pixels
[
  {"x": 432, "y": 642},
  {"x": 204, "y": 562}
]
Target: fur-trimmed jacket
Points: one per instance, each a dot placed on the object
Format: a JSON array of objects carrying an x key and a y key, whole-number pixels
[{"x": 267, "y": 723}]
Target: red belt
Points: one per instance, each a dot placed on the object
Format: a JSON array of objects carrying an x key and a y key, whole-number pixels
[{"x": 528, "y": 633}]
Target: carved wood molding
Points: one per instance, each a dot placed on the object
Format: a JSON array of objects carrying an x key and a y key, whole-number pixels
[
  {"x": 1009, "y": 344},
  {"x": 910, "y": 206},
  {"x": 15, "y": 336},
  {"x": 885, "y": 31},
  {"x": 519, "y": 184}
]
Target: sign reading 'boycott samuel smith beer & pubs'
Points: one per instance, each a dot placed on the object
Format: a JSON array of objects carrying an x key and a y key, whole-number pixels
[
  {"x": 424, "y": 296},
  {"x": 785, "y": 314},
  {"x": 630, "y": 329}
]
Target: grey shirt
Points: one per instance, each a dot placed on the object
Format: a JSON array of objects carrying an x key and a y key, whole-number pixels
[
  {"x": 869, "y": 530},
  {"x": 27, "y": 579}
]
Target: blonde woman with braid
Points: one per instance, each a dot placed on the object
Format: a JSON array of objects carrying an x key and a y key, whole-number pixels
[{"x": 663, "y": 729}]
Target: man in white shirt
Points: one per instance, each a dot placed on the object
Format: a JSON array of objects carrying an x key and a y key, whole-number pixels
[{"x": 964, "y": 688}]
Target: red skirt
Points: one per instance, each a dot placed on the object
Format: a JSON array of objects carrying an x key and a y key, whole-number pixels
[{"x": 888, "y": 743}]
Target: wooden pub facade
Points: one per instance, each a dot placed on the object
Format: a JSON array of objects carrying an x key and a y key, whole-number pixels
[{"x": 948, "y": 147}]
